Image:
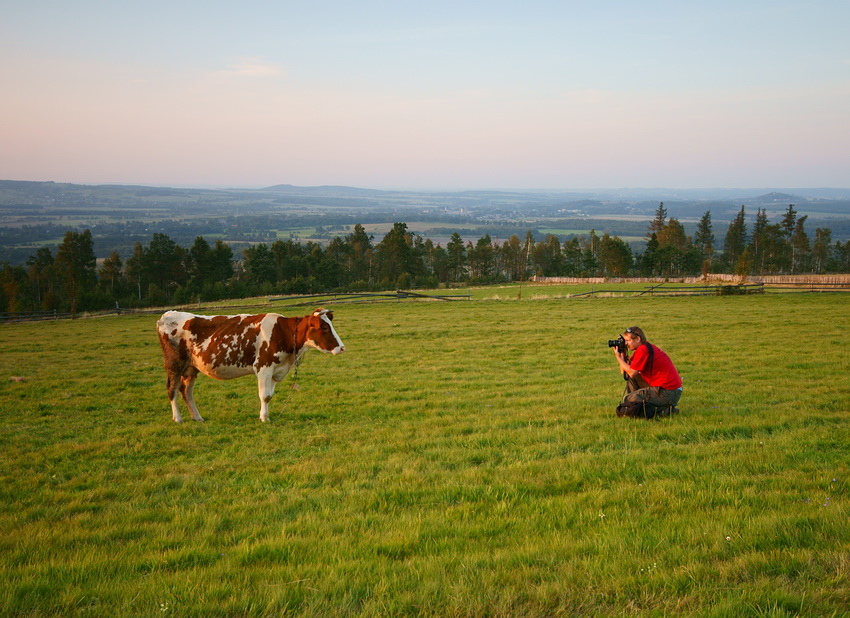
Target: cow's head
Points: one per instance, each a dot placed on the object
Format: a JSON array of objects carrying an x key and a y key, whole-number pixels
[{"x": 321, "y": 334}]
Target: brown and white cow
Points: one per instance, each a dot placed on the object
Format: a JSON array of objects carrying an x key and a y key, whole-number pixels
[{"x": 230, "y": 346}]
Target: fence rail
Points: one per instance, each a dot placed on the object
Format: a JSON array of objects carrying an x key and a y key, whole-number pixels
[
  {"x": 712, "y": 285},
  {"x": 33, "y": 316},
  {"x": 357, "y": 297},
  {"x": 691, "y": 290},
  {"x": 711, "y": 279},
  {"x": 295, "y": 301},
  {"x": 691, "y": 286},
  {"x": 720, "y": 290}
]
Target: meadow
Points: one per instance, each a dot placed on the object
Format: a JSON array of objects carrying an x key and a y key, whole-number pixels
[{"x": 460, "y": 459}]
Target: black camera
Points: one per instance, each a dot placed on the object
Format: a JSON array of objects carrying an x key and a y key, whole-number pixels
[{"x": 619, "y": 343}]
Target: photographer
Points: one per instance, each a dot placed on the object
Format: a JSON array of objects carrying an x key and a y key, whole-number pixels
[{"x": 653, "y": 386}]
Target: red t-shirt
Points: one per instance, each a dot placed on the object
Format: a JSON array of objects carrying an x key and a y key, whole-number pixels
[{"x": 663, "y": 372}]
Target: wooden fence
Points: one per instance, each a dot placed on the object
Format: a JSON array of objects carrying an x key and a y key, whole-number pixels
[
  {"x": 800, "y": 280},
  {"x": 356, "y": 297},
  {"x": 662, "y": 289},
  {"x": 712, "y": 284},
  {"x": 288, "y": 301},
  {"x": 33, "y": 316},
  {"x": 678, "y": 286}
]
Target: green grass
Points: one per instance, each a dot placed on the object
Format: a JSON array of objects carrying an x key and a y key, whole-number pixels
[{"x": 460, "y": 459}]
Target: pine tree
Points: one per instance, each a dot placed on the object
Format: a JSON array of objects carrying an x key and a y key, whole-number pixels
[
  {"x": 704, "y": 240},
  {"x": 111, "y": 275},
  {"x": 200, "y": 264},
  {"x": 394, "y": 254},
  {"x": 758, "y": 240},
  {"x": 658, "y": 222},
  {"x": 821, "y": 249},
  {"x": 800, "y": 248},
  {"x": 134, "y": 269},
  {"x": 361, "y": 254},
  {"x": 615, "y": 256},
  {"x": 789, "y": 224},
  {"x": 456, "y": 257},
  {"x": 735, "y": 242},
  {"x": 789, "y": 221},
  {"x": 76, "y": 266},
  {"x": 42, "y": 275}
]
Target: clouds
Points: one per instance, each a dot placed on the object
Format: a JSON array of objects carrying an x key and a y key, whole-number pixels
[{"x": 251, "y": 67}]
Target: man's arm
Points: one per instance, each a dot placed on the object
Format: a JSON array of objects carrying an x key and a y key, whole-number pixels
[{"x": 624, "y": 365}]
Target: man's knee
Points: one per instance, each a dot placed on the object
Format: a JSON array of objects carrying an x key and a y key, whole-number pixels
[{"x": 638, "y": 396}]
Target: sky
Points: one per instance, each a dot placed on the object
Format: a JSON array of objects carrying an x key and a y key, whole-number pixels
[{"x": 431, "y": 95}]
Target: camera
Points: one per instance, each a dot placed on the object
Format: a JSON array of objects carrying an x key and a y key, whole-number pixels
[{"x": 618, "y": 343}]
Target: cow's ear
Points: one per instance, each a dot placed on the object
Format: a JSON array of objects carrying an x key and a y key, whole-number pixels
[
  {"x": 330, "y": 315},
  {"x": 318, "y": 312}
]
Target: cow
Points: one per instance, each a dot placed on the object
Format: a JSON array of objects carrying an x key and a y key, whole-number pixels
[{"x": 230, "y": 346}]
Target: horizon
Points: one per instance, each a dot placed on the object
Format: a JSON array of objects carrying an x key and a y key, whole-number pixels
[
  {"x": 756, "y": 191},
  {"x": 438, "y": 97}
]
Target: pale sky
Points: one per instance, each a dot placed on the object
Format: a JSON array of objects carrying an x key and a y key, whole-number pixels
[{"x": 404, "y": 94}]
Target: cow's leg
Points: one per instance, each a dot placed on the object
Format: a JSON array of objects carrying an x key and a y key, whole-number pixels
[
  {"x": 172, "y": 384},
  {"x": 187, "y": 388},
  {"x": 174, "y": 365},
  {"x": 266, "y": 383}
]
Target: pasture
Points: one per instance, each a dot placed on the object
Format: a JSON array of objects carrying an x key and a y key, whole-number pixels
[{"x": 460, "y": 459}]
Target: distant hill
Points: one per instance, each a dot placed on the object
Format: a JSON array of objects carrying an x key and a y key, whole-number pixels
[
  {"x": 775, "y": 197},
  {"x": 597, "y": 200},
  {"x": 328, "y": 190}
]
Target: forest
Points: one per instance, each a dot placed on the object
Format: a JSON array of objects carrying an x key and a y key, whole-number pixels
[{"x": 163, "y": 272}]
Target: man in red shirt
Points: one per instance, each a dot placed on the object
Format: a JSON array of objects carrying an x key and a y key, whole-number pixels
[{"x": 651, "y": 377}]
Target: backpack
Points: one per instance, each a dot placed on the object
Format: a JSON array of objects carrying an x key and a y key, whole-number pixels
[
  {"x": 644, "y": 409},
  {"x": 637, "y": 409}
]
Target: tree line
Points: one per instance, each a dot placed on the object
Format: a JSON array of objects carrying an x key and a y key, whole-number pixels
[{"x": 165, "y": 273}]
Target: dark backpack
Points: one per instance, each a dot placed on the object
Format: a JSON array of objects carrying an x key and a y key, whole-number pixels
[
  {"x": 637, "y": 409},
  {"x": 643, "y": 409}
]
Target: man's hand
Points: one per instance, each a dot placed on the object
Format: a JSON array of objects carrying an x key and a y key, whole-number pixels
[{"x": 623, "y": 361}]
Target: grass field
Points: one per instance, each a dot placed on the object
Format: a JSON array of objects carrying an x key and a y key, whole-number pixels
[{"x": 460, "y": 459}]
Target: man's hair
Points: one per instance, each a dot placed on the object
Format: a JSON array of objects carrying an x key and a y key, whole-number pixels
[{"x": 637, "y": 331}]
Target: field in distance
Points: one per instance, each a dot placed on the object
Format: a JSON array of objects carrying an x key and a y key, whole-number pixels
[
  {"x": 37, "y": 214},
  {"x": 460, "y": 458}
]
